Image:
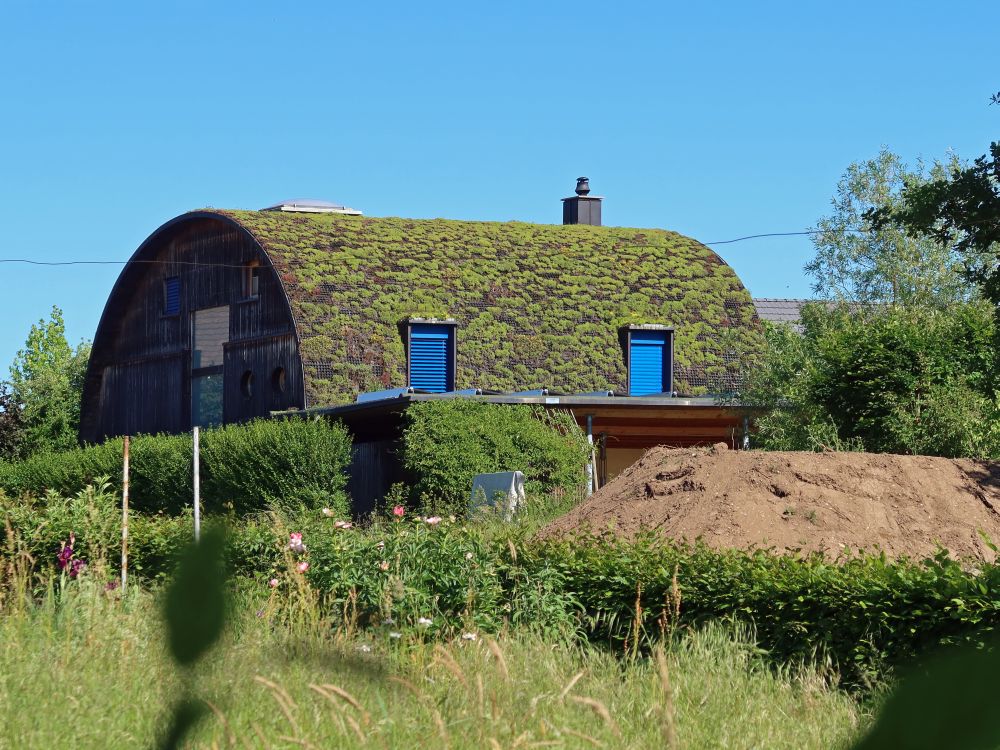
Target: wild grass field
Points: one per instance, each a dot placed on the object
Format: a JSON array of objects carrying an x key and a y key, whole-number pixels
[
  {"x": 429, "y": 631},
  {"x": 87, "y": 667}
]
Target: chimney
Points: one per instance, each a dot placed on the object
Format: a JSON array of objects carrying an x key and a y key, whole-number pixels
[{"x": 582, "y": 208}]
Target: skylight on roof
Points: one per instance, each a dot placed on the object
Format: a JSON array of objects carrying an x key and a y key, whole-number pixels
[{"x": 313, "y": 207}]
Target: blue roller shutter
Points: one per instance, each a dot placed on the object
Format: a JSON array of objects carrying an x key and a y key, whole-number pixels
[
  {"x": 430, "y": 358},
  {"x": 172, "y": 296},
  {"x": 649, "y": 362}
]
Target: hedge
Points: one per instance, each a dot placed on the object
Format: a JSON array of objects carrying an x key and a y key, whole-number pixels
[
  {"x": 245, "y": 468},
  {"x": 446, "y": 443},
  {"x": 864, "y": 614}
]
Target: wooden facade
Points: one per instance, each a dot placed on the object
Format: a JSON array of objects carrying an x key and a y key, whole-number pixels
[{"x": 142, "y": 368}]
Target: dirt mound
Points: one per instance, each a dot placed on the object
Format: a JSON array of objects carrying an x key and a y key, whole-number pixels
[{"x": 829, "y": 502}]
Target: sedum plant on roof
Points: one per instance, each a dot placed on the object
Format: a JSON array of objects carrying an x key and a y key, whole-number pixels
[{"x": 536, "y": 305}]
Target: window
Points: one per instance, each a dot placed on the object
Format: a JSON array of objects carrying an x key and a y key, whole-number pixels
[
  {"x": 251, "y": 279},
  {"x": 246, "y": 384},
  {"x": 278, "y": 380},
  {"x": 650, "y": 360},
  {"x": 172, "y": 295},
  {"x": 209, "y": 335},
  {"x": 206, "y": 400},
  {"x": 431, "y": 356}
]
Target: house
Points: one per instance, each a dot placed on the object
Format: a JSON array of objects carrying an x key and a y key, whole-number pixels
[{"x": 221, "y": 316}]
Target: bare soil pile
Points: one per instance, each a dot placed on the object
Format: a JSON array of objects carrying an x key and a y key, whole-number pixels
[{"x": 836, "y": 503}]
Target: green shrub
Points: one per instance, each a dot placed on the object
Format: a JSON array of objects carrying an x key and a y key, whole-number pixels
[
  {"x": 446, "y": 443},
  {"x": 246, "y": 467},
  {"x": 884, "y": 378},
  {"x": 864, "y": 614},
  {"x": 288, "y": 463}
]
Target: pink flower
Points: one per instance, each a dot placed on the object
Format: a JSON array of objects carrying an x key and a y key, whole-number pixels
[
  {"x": 384, "y": 565},
  {"x": 342, "y": 524},
  {"x": 432, "y": 520},
  {"x": 398, "y": 511},
  {"x": 302, "y": 567},
  {"x": 295, "y": 542},
  {"x": 273, "y": 583}
]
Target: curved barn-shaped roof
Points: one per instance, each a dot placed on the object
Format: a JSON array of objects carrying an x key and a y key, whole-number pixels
[{"x": 536, "y": 305}]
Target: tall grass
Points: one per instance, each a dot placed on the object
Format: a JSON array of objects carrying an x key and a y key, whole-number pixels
[{"x": 87, "y": 666}]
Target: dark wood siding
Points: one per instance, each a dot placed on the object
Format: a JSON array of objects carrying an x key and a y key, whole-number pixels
[{"x": 139, "y": 376}]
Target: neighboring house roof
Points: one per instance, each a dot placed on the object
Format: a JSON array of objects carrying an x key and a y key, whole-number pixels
[
  {"x": 536, "y": 305},
  {"x": 781, "y": 310}
]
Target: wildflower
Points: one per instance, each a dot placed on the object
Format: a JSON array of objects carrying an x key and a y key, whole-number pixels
[
  {"x": 342, "y": 524},
  {"x": 432, "y": 520},
  {"x": 327, "y": 512},
  {"x": 469, "y": 637},
  {"x": 260, "y": 613},
  {"x": 365, "y": 648},
  {"x": 424, "y": 621},
  {"x": 295, "y": 542},
  {"x": 273, "y": 583},
  {"x": 468, "y": 555},
  {"x": 76, "y": 567},
  {"x": 65, "y": 555},
  {"x": 395, "y": 634},
  {"x": 112, "y": 585},
  {"x": 302, "y": 567},
  {"x": 398, "y": 511},
  {"x": 384, "y": 565}
]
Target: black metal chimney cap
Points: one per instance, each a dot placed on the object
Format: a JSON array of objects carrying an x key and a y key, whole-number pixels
[{"x": 582, "y": 186}]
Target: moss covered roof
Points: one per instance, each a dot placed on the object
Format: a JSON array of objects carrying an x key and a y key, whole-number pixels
[{"x": 536, "y": 305}]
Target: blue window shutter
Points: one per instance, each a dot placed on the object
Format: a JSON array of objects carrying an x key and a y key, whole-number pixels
[
  {"x": 649, "y": 362},
  {"x": 172, "y": 296},
  {"x": 430, "y": 358}
]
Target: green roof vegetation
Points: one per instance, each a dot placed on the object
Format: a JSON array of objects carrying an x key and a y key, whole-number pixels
[{"x": 537, "y": 305}]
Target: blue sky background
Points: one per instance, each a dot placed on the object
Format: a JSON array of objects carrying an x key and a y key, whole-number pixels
[{"x": 713, "y": 119}]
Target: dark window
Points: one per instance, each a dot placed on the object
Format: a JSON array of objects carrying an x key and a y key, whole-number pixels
[
  {"x": 206, "y": 400},
  {"x": 432, "y": 357},
  {"x": 246, "y": 384},
  {"x": 649, "y": 361},
  {"x": 278, "y": 380},
  {"x": 251, "y": 279},
  {"x": 172, "y": 296}
]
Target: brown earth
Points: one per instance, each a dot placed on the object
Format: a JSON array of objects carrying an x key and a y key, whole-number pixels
[{"x": 836, "y": 503}]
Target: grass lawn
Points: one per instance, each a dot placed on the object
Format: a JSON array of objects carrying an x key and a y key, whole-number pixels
[{"x": 92, "y": 671}]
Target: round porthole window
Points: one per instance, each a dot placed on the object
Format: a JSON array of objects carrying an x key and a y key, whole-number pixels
[
  {"x": 246, "y": 384},
  {"x": 278, "y": 379}
]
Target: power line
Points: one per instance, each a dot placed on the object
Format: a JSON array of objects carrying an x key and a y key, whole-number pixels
[
  {"x": 784, "y": 234},
  {"x": 32, "y": 262}
]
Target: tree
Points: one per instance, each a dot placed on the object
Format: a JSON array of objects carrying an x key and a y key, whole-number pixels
[
  {"x": 860, "y": 261},
  {"x": 11, "y": 424},
  {"x": 961, "y": 210},
  {"x": 887, "y": 378},
  {"x": 46, "y": 384}
]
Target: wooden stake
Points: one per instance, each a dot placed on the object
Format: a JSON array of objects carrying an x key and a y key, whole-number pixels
[
  {"x": 197, "y": 486},
  {"x": 125, "y": 515}
]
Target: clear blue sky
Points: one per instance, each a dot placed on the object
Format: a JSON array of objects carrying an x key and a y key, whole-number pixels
[{"x": 714, "y": 119}]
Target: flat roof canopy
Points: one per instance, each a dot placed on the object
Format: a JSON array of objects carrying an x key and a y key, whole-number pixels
[{"x": 628, "y": 421}]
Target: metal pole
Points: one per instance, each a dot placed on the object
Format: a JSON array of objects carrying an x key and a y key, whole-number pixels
[
  {"x": 125, "y": 514},
  {"x": 590, "y": 464},
  {"x": 197, "y": 487}
]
